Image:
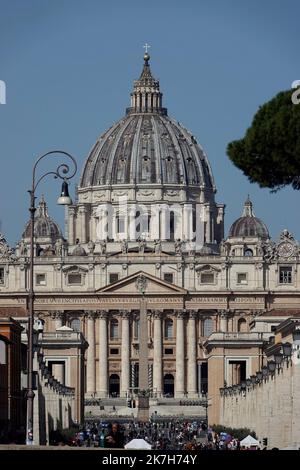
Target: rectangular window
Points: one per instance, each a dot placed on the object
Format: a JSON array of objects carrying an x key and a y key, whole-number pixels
[
  {"x": 120, "y": 224},
  {"x": 75, "y": 279},
  {"x": 242, "y": 278},
  {"x": 1, "y": 276},
  {"x": 285, "y": 275},
  {"x": 207, "y": 278},
  {"x": 40, "y": 279},
  {"x": 114, "y": 351},
  {"x": 113, "y": 277},
  {"x": 169, "y": 351},
  {"x": 168, "y": 277}
]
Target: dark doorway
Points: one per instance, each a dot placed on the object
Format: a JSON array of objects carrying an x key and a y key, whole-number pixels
[
  {"x": 169, "y": 385},
  {"x": 114, "y": 385}
]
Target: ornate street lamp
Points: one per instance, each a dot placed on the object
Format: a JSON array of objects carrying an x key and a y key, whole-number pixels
[
  {"x": 62, "y": 172},
  {"x": 248, "y": 382},
  {"x": 287, "y": 349},
  {"x": 271, "y": 366},
  {"x": 278, "y": 359},
  {"x": 259, "y": 375}
]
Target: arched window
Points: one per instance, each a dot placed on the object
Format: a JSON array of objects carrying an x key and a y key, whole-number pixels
[
  {"x": 242, "y": 325},
  {"x": 75, "y": 324},
  {"x": 168, "y": 328},
  {"x": 137, "y": 223},
  {"x": 194, "y": 223},
  {"x": 142, "y": 223},
  {"x": 208, "y": 326},
  {"x": 172, "y": 226},
  {"x": 248, "y": 252},
  {"x": 114, "y": 329}
]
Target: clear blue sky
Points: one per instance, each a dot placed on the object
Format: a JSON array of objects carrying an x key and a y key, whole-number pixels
[{"x": 69, "y": 67}]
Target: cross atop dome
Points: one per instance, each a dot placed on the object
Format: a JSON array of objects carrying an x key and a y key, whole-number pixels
[{"x": 146, "y": 47}]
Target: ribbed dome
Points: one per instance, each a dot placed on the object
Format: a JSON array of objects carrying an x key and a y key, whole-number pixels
[
  {"x": 248, "y": 225},
  {"x": 44, "y": 226},
  {"x": 146, "y": 146}
]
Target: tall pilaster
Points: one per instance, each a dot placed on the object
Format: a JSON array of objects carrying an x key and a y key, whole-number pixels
[
  {"x": 71, "y": 234},
  {"x": 192, "y": 355},
  {"x": 180, "y": 356},
  {"x": 157, "y": 353},
  {"x": 83, "y": 224},
  {"x": 91, "y": 354},
  {"x": 125, "y": 353},
  {"x": 103, "y": 354}
]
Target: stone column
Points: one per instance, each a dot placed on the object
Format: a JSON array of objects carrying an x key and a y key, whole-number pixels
[
  {"x": 71, "y": 235},
  {"x": 192, "y": 356},
  {"x": 93, "y": 224},
  {"x": 103, "y": 354},
  {"x": 157, "y": 353},
  {"x": 125, "y": 353},
  {"x": 131, "y": 222},
  {"x": 154, "y": 229},
  {"x": 180, "y": 356},
  {"x": 223, "y": 321},
  {"x": 164, "y": 224},
  {"x": 91, "y": 356},
  {"x": 82, "y": 211}
]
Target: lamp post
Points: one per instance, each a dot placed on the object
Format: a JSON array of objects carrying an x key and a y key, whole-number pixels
[
  {"x": 62, "y": 172},
  {"x": 205, "y": 394}
]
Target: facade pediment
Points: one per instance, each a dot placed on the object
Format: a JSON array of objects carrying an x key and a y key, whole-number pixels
[{"x": 141, "y": 280}]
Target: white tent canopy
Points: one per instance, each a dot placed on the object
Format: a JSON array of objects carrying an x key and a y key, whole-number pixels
[
  {"x": 138, "y": 444},
  {"x": 249, "y": 441}
]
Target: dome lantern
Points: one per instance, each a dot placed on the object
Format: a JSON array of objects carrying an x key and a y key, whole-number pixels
[{"x": 146, "y": 96}]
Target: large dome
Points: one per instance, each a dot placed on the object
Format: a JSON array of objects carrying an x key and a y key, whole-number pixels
[
  {"x": 248, "y": 225},
  {"x": 146, "y": 146}
]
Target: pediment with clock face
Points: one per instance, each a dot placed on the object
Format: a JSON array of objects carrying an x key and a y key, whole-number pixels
[{"x": 287, "y": 247}]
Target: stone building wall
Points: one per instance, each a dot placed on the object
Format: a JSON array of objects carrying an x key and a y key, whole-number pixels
[{"x": 270, "y": 408}]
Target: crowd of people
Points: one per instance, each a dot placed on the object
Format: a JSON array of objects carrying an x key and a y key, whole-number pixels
[{"x": 162, "y": 435}]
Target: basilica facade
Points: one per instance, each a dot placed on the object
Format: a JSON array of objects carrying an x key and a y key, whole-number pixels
[{"x": 145, "y": 229}]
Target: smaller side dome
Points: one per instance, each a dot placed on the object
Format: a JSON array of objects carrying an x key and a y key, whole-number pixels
[
  {"x": 248, "y": 225},
  {"x": 44, "y": 225}
]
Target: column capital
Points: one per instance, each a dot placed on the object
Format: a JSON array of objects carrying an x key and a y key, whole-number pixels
[
  {"x": 180, "y": 313},
  {"x": 156, "y": 314},
  {"x": 224, "y": 313},
  {"x": 82, "y": 209},
  {"x": 125, "y": 313},
  {"x": 193, "y": 314},
  {"x": 57, "y": 314},
  {"x": 90, "y": 314},
  {"x": 102, "y": 314}
]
